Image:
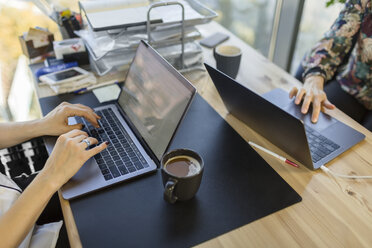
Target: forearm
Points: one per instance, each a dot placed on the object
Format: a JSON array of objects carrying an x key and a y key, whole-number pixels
[
  {"x": 17, "y": 132},
  {"x": 19, "y": 219}
]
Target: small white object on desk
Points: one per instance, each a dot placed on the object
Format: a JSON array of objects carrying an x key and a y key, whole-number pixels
[
  {"x": 68, "y": 46},
  {"x": 107, "y": 93}
]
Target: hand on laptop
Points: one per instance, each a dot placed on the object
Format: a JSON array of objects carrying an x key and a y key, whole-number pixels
[
  {"x": 56, "y": 122},
  {"x": 312, "y": 93},
  {"x": 68, "y": 155}
]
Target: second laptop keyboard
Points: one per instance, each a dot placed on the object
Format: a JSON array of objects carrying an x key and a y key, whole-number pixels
[
  {"x": 320, "y": 146},
  {"x": 122, "y": 156}
]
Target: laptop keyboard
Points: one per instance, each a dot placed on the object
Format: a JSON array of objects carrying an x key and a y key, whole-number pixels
[
  {"x": 319, "y": 145},
  {"x": 122, "y": 156}
]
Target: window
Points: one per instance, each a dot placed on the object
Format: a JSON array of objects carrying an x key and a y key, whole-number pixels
[
  {"x": 16, "y": 17},
  {"x": 316, "y": 20},
  {"x": 250, "y": 20}
]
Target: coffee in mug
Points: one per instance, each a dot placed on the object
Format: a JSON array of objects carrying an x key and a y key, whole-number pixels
[
  {"x": 182, "y": 166},
  {"x": 181, "y": 172},
  {"x": 228, "y": 59}
]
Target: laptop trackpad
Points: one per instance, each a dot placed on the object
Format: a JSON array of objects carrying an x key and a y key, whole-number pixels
[
  {"x": 324, "y": 120},
  {"x": 280, "y": 98}
]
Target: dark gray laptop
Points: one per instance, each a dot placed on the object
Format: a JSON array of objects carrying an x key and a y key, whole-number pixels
[
  {"x": 140, "y": 126},
  {"x": 279, "y": 120}
]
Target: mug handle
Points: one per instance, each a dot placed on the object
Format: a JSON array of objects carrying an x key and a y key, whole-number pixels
[{"x": 168, "y": 191}]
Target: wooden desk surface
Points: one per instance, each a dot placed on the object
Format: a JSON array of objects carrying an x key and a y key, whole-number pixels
[{"x": 334, "y": 212}]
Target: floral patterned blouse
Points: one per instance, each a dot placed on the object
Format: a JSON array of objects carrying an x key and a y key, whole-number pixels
[{"x": 350, "y": 34}]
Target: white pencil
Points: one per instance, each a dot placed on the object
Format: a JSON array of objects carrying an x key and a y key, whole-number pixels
[
  {"x": 273, "y": 154},
  {"x": 83, "y": 90}
]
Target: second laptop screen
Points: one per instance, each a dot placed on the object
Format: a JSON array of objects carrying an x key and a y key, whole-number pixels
[{"x": 154, "y": 99}]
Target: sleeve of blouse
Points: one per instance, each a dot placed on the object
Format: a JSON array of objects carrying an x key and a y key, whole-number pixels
[{"x": 329, "y": 52}]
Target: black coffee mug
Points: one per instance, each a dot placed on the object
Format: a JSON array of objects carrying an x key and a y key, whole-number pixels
[
  {"x": 181, "y": 187},
  {"x": 228, "y": 59}
]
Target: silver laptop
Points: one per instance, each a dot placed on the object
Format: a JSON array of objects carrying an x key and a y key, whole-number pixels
[
  {"x": 279, "y": 120},
  {"x": 139, "y": 126}
]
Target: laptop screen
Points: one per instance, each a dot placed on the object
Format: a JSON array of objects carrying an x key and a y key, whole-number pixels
[{"x": 155, "y": 97}]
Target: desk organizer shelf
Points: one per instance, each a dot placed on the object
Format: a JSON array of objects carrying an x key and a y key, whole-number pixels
[{"x": 112, "y": 43}]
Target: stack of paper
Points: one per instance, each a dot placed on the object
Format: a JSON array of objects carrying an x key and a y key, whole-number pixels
[
  {"x": 116, "y": 28},
  {"x": 124, "y": 13}
]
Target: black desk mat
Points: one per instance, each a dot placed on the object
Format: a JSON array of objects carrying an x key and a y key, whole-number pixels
[{"x": 238, "y": 187}]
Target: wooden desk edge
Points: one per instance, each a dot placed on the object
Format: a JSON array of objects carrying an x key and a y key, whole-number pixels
[{"x": 72, "y": 232}]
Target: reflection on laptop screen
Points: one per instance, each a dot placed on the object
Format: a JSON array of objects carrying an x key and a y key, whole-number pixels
[{"x": 154, "y": 99}]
